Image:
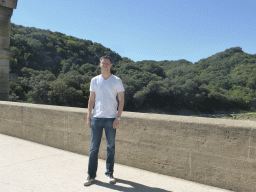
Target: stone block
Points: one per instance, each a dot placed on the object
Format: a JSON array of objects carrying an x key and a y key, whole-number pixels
[
  {"x": 219, "y": 171},
  {"x": 244, "y": 165},
  {"x": 252, "y": 145},
  {"x": 15, "y": 128},
  {"x": 5, "y": 43},
  {"x": 35, "y": 132},
  {"x": 77, "y": 142},
  {"x": 241, "y": 182},
  {"x": 77, "y": 122},
  {"x": 12, "y": 112},
  {"x": 204, "y": 170},
  {"x": 218, "y": 140},
  {"x": 4, "y": 66},
  {"x": 4, "y": 54},
  {"x": 129, "y": 130},
  {"x": 169, "y": 161},
  {"x": 215, "y": 139},
  {"x": 5, "y": 16},
  {"x": 53, "y": 119},
  {"x": 5, "y": 25},
  {"x": 3, "y": 125},
  {"x": 4, "y": 80},
  {"x": 230, "y": 142},
  {"x": 147, "y": 131},
  {"x": 54, "y": 138},
  {"x": 165, "y": 160}
]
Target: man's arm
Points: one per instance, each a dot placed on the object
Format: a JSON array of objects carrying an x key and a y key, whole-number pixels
[
  {"x": 120, "y": 109},
  {"x": 121, "y": 103},
  {"x": 91, "y": 103}
]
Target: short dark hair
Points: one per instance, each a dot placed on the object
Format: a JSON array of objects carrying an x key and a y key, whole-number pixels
[{"x": 105, "y": 57}]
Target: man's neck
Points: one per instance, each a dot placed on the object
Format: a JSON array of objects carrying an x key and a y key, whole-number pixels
[{"x": 106, "y": 74}]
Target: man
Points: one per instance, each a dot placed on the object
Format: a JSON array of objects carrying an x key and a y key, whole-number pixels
[{"x": 103, "y": 91}]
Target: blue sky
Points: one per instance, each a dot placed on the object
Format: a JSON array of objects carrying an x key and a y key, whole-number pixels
[{"x": 149, "y": 29}]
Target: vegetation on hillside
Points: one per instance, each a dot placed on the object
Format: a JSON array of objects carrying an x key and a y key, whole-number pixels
[{"x": 56, "y": 69}]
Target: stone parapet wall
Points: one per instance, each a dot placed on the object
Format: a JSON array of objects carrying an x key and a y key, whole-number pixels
[{"x": 215, "y": 152}]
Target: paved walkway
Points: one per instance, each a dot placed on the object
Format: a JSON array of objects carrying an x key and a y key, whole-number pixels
[{"x": 26, "y": 166}]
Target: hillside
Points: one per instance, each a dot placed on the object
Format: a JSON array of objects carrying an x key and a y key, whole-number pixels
[{"x": 56, "y": 69}]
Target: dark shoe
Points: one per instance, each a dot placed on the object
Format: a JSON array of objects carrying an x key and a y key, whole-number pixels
[
  {"x": 111, "y": 179},
  {"x": 88, "y": 181}
]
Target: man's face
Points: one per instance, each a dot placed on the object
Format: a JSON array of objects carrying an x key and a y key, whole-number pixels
[{"x": 105, "y": 64}]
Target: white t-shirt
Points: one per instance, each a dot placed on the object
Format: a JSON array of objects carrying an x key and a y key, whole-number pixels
[{"x": 105, "y": 95}]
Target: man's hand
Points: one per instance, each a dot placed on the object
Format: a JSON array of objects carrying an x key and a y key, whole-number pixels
[
  {"x": 89, "y": 121},
  {"x": 116, "y": 123}
]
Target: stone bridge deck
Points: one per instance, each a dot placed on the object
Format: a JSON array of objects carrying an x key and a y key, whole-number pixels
[{"x": 26, "y": 166}]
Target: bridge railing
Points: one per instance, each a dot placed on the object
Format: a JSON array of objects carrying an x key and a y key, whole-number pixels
[{"x": 215, "y": 152}]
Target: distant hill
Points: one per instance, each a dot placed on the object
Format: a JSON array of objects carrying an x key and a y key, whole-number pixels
[
  {"x": 45, "y": 50},
  {"x": 56, "y": 69}
]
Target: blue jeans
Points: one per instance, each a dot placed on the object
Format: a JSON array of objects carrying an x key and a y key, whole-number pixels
[{"x": 97, "y": 125}]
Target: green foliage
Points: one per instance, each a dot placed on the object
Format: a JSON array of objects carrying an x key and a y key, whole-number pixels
[
  {"x": 56, "y": 69},
  {"x": 44, "y": 50}
]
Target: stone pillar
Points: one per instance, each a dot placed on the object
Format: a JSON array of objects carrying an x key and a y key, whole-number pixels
[{"x": 6, "y": 10}]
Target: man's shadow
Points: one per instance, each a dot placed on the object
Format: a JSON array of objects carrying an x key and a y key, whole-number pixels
[{"x": 128, "y": 186}]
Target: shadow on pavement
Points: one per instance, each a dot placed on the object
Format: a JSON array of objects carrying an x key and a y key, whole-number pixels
[{"x": 128, "y": 186}]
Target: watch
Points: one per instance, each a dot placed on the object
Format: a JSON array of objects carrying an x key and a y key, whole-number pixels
[{"x": 119, "y": 118}]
